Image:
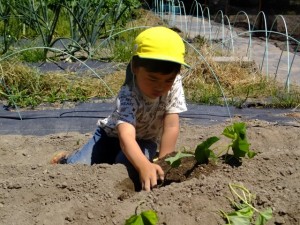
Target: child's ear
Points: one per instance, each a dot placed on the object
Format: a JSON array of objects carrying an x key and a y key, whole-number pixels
[{"x": 133, "y": 68}]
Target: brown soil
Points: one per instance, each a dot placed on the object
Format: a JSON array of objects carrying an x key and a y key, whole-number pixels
[
  {"x": 34, "y": 192},
  {"x": 188, "y": 169}
]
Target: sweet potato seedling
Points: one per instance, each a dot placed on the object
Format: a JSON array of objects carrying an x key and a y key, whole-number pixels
[
  {"x": 239, "y": 143},
  {"x": 175, "y": 161},
  {"x": 148, "y": 217},
  {"x": 245, "y": 213},
  {"x": 203, "y": 153}
]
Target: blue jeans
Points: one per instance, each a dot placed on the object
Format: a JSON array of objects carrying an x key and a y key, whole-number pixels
[{"x": 104, "y": 149}]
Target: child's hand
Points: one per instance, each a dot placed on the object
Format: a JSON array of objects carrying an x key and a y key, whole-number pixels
[{"x": 149, "y": 175}]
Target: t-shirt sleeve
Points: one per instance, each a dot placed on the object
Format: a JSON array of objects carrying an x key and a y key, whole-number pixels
[
  {"x": 176, "y": 100},
  {"x": 126, "y": 107}
]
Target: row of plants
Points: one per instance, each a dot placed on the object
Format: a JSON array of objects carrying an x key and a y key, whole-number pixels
[
  {"x": 236, "y": 84},
  {"x": 243, "y": 201},
  {"x": 78, "y": 25},
  {"x": 241, "y": 84},
  {"x": 23, "y": 86},
  {"x": 244, "y": 212}
]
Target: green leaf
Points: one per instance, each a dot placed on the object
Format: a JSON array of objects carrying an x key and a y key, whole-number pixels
[
  {"x": 148, "y": 217},
  {"x": 203, "y": 153},
  {"x": 240, "y": 145},
  {"x": 243, "y": 216},
  {"x": 134, "y": 220},
  {"x": 175, "y": 161},
  {"x": 251, "y": 154},
  {"x": 240, "y": 217},
  {"x": 235, "y": 129},
  {"x": 264, "y": 217},
  {"x": 246, "y": 211},
  {"x": 239, "y": 220},
  {"x": 229, "y": 132}
]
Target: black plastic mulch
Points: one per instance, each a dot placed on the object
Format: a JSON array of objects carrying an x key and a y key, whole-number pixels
[{"x": 83, "y": 118}]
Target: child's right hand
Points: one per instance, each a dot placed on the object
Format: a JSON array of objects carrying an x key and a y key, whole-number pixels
[{"x": 149, "y": 174}]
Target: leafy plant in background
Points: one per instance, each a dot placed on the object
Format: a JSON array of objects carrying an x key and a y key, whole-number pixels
[
  {"x": 245, "y": 213},
  {"x": 123, "y": 44},
  {"x": 39, "y": 15},
  {"x": 34, "y": 55},
  {"x": 5, "y": 13},
  {"x": 89, "y": 21},
  {"x": 23, "y": 86},
  {"x": 148, "y": 217}
]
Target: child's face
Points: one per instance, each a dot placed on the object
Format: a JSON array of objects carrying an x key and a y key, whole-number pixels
[{"x": 151, "y": 84}]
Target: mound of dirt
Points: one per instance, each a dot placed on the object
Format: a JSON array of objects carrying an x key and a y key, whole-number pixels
[{"x": 34, "y": 192}]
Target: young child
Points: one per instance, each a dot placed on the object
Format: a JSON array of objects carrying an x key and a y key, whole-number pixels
[{"x": 146, "y": 117}]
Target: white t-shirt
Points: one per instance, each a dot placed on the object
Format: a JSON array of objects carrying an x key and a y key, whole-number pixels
[{"x": 145, "y": 114}]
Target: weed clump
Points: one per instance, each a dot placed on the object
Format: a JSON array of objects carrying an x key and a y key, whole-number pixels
[{"x": 24, "y": 86}]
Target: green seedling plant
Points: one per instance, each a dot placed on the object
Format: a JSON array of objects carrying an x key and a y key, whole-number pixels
[
  {"x": 239, "y": 143},
  {"x": 148, "y": 217},
  {"x": 203, "y": 153},
  {"x": 245, "y": 213},
  {"x": 175, "y": 161}
]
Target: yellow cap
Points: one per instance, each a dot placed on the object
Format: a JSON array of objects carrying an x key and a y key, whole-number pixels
[{"x": 160, "y": 43}]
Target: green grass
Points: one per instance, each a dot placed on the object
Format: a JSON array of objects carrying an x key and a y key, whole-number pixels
[
  {"x": 25, "y": 87},
  {"x": 242, "y": 84},
  {"x": 34, "y": 55}
]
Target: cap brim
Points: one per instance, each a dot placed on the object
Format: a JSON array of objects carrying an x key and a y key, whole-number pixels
[{"x": 164, "y": 59}]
